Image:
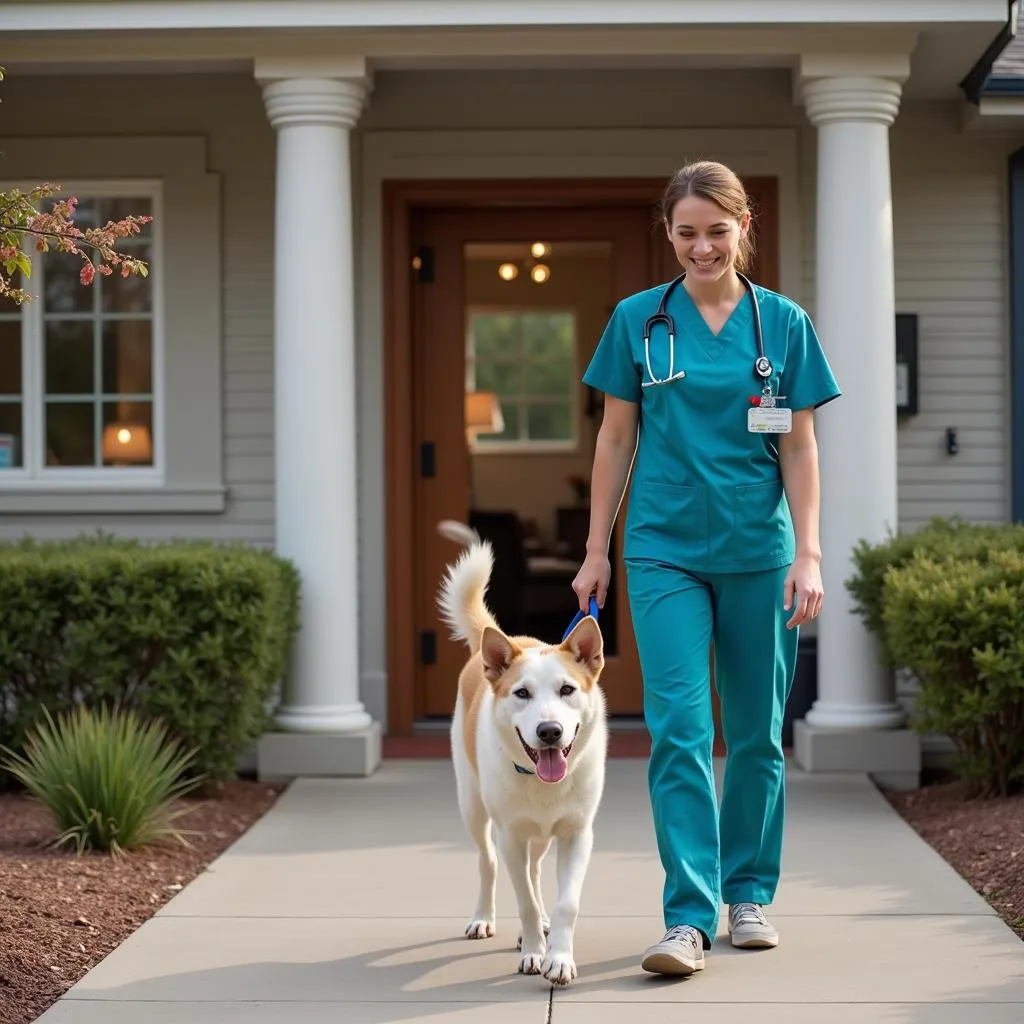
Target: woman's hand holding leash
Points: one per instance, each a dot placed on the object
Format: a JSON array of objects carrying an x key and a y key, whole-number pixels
[{"x": 592, "y": 580}]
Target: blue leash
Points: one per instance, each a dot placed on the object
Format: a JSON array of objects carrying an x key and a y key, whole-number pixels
[{"x": 581, "y": 615}]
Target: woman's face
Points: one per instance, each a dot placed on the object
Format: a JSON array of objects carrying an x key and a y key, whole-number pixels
[{"x": 705, "y": 237}]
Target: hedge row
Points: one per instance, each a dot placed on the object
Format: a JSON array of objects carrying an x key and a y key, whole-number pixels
[
  {"x": 193, "y": 634},
  {"x": 947, "y": 603}
]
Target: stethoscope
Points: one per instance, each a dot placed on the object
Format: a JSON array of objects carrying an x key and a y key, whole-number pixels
[{"x": 763, "y": 368}]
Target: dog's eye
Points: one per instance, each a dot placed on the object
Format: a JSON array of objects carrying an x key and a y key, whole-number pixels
[
  {"x": 567, "y": 690},
  {"x": 522, "y": 693}
]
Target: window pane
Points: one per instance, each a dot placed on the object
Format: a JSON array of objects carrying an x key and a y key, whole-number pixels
[
  {"x": 127, "y": 357},
  {"x": 10, "y": 435},
  {"x": 550, "y": 377},
  {"x": 64, "y": 292},
  {"x": 10, "y": 357},
  {"x": 85, "y": 211},
  {"x": 495, "y": 334},
  {"x": 70, "y": 434},
  {"x": 127, "y": 434},
  {"x": 131, "y": 294},
  {"x": 548, "y": 334},
  {"x": 69, "y": 368},
  {"x": 117, "y": 208},
  {"x": 501, "y": 378},
  {"x": 510, "y": 414},
  {"x": 550, "y": 421}
]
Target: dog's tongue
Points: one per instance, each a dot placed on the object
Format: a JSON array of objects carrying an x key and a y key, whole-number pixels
[{"x": 551, "y": 765}]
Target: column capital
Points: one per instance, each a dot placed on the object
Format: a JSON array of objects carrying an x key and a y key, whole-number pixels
[
  {"x": 864, "y": 98},
  {"x": 329, "y": 92}
]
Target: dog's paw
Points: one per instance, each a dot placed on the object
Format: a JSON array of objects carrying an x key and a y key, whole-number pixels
[
  {"x": 530, "y": 963},
  {"x": 558, "y": 968},
  {"x": 480, "y": 929}
]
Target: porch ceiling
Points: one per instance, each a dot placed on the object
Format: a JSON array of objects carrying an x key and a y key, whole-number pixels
[{"x": 944, "y": 37}]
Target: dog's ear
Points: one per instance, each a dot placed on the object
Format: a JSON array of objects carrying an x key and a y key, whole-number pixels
[
  {"x": 586, "y": 645},
  {"x": 498, "y": 653}
]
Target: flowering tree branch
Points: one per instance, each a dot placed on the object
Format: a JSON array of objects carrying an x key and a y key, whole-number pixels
[{"x": 22, "y": 222}]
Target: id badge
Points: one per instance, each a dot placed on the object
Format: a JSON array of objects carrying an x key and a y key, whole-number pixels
[{"x": 774, "y": 420}]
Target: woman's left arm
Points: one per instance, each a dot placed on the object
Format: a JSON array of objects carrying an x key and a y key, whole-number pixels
[{"x": 798, "y": 457}]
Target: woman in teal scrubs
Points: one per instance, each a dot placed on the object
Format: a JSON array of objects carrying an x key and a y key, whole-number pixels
[{"x": 721, "y": 543}]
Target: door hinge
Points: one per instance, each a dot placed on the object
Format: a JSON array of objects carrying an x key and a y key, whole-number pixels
[
  {"x": 428, "y": 465},
  {"x": 423, "y": 263},
  {"x": 428, "y": 646}
]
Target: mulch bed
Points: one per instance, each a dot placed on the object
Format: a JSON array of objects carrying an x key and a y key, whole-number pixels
[
  {"x": 61, "y": 914},
  {"x": 983, "y": 840}
]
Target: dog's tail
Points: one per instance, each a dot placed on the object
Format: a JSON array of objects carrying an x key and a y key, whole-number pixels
[{"x": 461, "y": 599}]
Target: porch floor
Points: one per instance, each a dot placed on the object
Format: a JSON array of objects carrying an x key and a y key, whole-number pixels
[{"x": 347, "y": 902}]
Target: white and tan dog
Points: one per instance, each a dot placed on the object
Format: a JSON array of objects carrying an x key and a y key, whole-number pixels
[{"x": 529, "y": 744}]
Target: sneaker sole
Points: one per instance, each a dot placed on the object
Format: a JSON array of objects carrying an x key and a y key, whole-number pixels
[
  {"x": 666, "y": 963},
  {"x": 757, "y": 942}
]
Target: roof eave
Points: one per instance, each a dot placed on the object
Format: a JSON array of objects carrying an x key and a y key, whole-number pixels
[{"x": 978, "y": 81}]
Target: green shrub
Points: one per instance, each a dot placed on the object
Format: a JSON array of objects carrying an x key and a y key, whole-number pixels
[
  {"x": 191, "y": 634},
  {"x": 109, "y": 780},
  {"x": 957, "y": 622},
  {"x": 940, "y": 538}
]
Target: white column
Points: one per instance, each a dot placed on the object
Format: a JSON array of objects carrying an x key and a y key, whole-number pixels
[
  {"x": 855, "y": 317},
  {"x": 315, "y": 392}
]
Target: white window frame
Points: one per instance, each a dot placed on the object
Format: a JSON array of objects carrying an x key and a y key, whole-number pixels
[
  {"x": 528, "y": 446},
  {"x": 34, "y": 472}
]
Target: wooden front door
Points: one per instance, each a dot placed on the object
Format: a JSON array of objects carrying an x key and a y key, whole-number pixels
[{"x": 457, "y": 242}]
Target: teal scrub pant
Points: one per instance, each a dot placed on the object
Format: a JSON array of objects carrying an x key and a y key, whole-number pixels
[{"x": 711, "y": 857}]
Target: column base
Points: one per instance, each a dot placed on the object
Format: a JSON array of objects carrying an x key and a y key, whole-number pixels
[
  {"x": 315, "y": 718},
  {"x": 283, "y": 756},
  {"x": 849, "y": 717},
  {"x": 891, "y": 757}
]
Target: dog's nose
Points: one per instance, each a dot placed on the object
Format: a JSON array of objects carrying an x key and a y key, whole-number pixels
[{"x": 549, "y": 733}]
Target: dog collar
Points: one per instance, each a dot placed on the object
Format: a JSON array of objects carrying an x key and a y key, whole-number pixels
[{"x": 522, "y": 771}]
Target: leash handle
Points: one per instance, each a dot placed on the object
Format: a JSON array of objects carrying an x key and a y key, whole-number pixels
[{"x": 581, "y": 615}]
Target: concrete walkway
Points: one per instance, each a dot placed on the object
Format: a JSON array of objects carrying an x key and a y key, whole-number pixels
[{"x": 346, "y": 904}]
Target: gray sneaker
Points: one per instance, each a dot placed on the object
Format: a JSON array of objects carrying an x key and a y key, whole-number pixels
[
  {"x": 681, "y": 951},
  {"x": 749, "y": 927}
]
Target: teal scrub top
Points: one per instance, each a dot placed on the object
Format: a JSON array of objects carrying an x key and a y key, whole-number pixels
[{"x": 707, "y": 493}]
